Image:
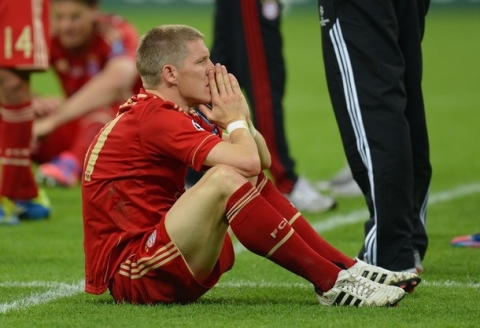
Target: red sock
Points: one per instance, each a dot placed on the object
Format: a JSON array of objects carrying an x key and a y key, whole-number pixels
[
  {"x": 300, "y": 224},
  {"x": 17, "y": 180},
  {"x": 262, "y": 230}
]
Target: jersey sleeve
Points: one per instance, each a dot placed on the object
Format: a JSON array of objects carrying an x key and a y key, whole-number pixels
[{"x": 173, "y": 134}]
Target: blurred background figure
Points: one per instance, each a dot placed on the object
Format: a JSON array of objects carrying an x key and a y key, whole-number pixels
[
  {"x": 248, "y": 41},
  {"x": 25, "y": 46},
  {"x": 93, "y": 56}
]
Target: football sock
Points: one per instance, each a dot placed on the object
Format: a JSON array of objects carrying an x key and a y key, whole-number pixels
[
  {"x": 263, "y": 231},
  {"x": 17, "y": 181},
  {"x": 300, "y": 224}
]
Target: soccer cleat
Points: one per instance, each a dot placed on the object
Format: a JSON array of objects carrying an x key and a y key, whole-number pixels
[
  {"x": 342, "y": 184},
  {"x": 37, "y": 208},
  {"x": 8, "y": 212},
  {"x": 353, "y": 290},
  {"x": 405, "y": 280},
  {"x": 467, "y": 241},
  {"x": 306, "y": 199},
  {"x": 63, "y": 171}
]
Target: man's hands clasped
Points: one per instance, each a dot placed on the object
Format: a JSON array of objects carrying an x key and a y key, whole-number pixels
[{"x": 228, "y": 102}]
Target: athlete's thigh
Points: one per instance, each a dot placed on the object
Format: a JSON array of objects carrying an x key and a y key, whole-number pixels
[{"x": 196, "y": 222}]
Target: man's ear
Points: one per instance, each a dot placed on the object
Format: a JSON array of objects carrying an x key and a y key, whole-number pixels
[{"x": 169, "y": 74}]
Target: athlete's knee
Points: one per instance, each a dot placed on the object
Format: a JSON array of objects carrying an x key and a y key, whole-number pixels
[
  {"x": 225, "y": 178},
  {"x": 14, "y": 87}
]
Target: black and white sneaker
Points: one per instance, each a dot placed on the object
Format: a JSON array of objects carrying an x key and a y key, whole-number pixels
[
  {"x": 353, "y": 290},
  {"x": 405, "y": 280}
]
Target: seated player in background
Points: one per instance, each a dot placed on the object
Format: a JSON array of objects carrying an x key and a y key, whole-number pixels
[
  {"x": 149, "y": 241},
  {"x": 93, "y": 55}
]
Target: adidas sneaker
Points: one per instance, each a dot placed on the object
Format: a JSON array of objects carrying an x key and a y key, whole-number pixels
[
  {"x": 405, "y": 280},
  {"x": 353, "y": 290}
]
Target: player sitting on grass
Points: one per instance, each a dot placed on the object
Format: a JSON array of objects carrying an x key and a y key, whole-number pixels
[{"x": 149, "y": 241}]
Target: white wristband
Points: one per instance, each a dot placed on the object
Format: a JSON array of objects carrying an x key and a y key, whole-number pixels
[{"x": 241, "y": 124}]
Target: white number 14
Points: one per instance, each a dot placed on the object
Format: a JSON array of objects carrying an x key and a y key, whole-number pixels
[{"x": 22, "y": 44}]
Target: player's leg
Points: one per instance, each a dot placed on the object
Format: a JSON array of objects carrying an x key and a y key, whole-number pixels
[
  {"x": 265, "y": 83},
  {"x": 411, "y": 17},
  {"x": 407, "y": 281},
  {"x": 371, "y": 119},
  {"x": 17, "y": 181},
  {"x": 15, "y": 135},
  {"x": 25, "y": 49},
  {"x": 301, "y": 225},
  {"x": 197, "y": 224}
]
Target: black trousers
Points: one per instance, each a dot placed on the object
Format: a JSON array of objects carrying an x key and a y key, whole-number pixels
[
  {"x": 247, "y": 40},
  {"x": 373, "y": 62}
]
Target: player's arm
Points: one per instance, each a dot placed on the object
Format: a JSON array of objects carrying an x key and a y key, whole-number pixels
[
  {"x": 263, "y": 152},
  {"x": 230, "y": 111},
  {"x": 239, "y": 152},
  {"x": 109, "y": 85}
]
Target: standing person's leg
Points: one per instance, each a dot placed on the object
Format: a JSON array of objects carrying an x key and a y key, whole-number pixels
[
  {"x": 411, "y": 17},
  {"x": 16, "y": 135},
  {"x": 364, "y": 68},
  {"x": 265, "y": 86},
  {"x": 31, "y": 31},
  {"x": 19, "y": 194}
]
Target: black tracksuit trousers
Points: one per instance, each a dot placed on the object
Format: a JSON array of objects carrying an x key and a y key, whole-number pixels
[{"x": 373, "y": 62}]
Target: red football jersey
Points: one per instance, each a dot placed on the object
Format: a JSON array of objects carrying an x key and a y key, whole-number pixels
[
  {"x": 134, "y": 172},
  {"x": 113, "y": 36},
  {"x": 24, "y": 34}
]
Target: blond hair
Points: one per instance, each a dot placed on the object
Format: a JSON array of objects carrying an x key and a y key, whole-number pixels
[{"x": 163, "y": 45}]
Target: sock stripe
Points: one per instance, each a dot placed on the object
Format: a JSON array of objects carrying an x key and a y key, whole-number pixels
[
  {"x": 240, "y": 203},
  {"x": 245, "y": 199},
  {"x": 15, "y": 161},
  {"x": 261, "y": 184},
  {"x": 18, "y": 115},
  {"x": 294, "y": 218},
  {"x": 280, "y": 243}
]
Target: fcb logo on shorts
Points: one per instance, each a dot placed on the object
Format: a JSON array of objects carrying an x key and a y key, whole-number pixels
[
  {"x": 270, "y": 9},
  {"x": 151, "y": 240}
]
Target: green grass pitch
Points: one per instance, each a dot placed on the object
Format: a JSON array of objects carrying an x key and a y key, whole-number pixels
[{"x": 41, "y": 270}]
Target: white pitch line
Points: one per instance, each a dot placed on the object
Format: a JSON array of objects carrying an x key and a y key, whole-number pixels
[
  {"x": 339, "y": 220},
  {"x": 59, "y": 290}
]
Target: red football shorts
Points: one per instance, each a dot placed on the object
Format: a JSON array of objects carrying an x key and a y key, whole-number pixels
[
  {"x": 24, "y": 34},
  {"x": 157, "y": 273}
]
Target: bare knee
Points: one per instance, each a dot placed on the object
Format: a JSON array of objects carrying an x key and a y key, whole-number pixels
[
  {"x": 225, "y": 179},
  {"x": 14, "y": 86}
]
